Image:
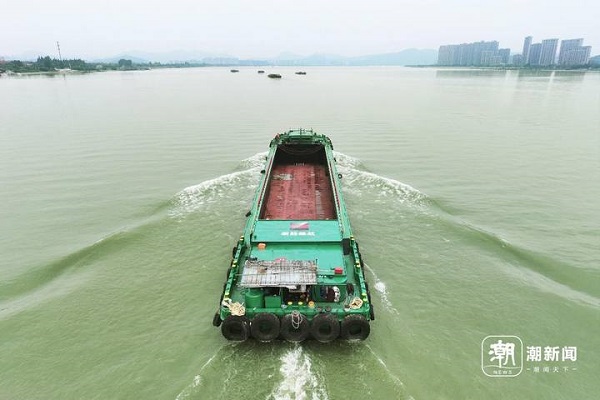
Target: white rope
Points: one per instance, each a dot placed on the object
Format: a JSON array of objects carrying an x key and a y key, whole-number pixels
[
  {"x": 356, "y": 303},
  {"x": 235, "y": 308},
  {"x": 296, "y": 319}
]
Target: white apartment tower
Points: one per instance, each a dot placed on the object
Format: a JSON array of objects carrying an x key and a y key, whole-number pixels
[
  {"x": 549, "y": 47},
  {"x": 526, "y": 46}
]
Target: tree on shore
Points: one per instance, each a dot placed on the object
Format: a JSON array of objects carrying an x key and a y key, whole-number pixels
[
  {"x": 125, "y": 64},
  {"x": 45, "y": 63}
]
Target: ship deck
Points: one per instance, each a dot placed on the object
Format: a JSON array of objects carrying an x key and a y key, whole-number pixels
[{"x": 299, "y": 192}]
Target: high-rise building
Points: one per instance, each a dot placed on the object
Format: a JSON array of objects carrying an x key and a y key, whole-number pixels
[
  {"x": 466, "y": 54},
  {"x": 504, "y": 55},
  {"x": 573, "y": 53},
  {"x": 526, "y": 49},
  {"x": 579, "y": 56},
  {"x": 517, "y": 59},
  {"x": 487, "y": 57},
  {"x": 565, "y": 47},
  {"x": 445, "y": 55},
  {"x": 548, "y": 56},
  {"x": 535, "y": 52}
]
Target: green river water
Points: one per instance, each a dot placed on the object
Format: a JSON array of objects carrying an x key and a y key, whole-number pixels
[{"x": 474, "y": 196}]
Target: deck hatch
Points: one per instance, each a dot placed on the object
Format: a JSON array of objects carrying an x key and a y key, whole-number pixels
[{"x": 278, "y": 273}]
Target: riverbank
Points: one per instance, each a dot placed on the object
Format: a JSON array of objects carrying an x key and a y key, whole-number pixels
[{"x": 48, "y": 66}]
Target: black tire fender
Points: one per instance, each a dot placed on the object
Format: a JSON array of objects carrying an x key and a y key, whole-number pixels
[
  {"x": 217, "y": 320},
  {"x": 355, "y": 327},
  {"x": 236, "y": 328},
  {"x": 264, "y": 327},
  {"x": 292, "y": 334},
  {"x": 371, "y": 309},
  {"x": 371, "y": 312},
  {"x": 325, "y": 328}
]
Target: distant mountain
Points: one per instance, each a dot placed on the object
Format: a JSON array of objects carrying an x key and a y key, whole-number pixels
[
  {"x": 28, "y": 56},
  {"x": 404, "y": 57},
  {"x": 115, "y": 59},
  {"x": 286, "y": 55},
  {"x": 174, "y": 56}
]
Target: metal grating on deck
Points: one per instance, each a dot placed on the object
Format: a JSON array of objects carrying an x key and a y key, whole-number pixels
[{"x": 278, "y": 273}]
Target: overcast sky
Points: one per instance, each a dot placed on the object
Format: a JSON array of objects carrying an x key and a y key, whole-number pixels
[{"x": 265, "y": 28}]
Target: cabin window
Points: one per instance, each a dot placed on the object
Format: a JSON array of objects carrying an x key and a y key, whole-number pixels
[
  {"x": 331, "y": 294},
  {"x": 296, "y": 295}
]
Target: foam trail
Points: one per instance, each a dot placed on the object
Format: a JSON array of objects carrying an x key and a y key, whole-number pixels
[
  {"x": 299, "y": 382},
  {"x": 549, "y": 285},
  {"x": 214, "y": 190},
  {"x": 255, "y": 161},
  {"x": 58, "y": 287},
  {"x": 380, "y": 188},
  {"x": 346, "y": 161},
  {"x": 394, "y": 378},
  {"x": 382, "y": 290},
  {"x": 356, "y": 177},
  {"x": 385, "y": 187},
  {"x": 237, "y": 184},
  {"x": 194, "y": 197},
  {"x": 528, "y": 267},
  {"x": 191, "y": 388}
]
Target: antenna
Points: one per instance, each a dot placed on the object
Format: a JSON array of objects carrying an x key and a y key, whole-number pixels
[{"x": 59, "y": 55}]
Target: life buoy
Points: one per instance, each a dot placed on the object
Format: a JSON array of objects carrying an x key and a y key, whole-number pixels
[
  {"x": 264, "y": 327},
  {"x": 355, "y": 327},
  {"x": 294, "y": 329},
  {"x": 236, "y": 328},
  {"x": 325, "y": 328}
]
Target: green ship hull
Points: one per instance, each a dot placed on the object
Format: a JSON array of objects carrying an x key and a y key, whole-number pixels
[{"x": 297, "y": 273}]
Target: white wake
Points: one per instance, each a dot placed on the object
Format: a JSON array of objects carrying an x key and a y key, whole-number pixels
[{"x": 298, "y": 382}]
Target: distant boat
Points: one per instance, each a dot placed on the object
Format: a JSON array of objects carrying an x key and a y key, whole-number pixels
[
  {"x": 300, "y": 73},
  {"x": 235, "y": 70},
  {"x": 260, "y": 71},
  {"x": 274, "y": 76}
]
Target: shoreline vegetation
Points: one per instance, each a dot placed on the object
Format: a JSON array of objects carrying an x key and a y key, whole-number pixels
[{"x": 47, "y": 65}]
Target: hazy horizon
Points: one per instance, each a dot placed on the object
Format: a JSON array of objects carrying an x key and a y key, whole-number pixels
[{"x": 267, "y": 28}]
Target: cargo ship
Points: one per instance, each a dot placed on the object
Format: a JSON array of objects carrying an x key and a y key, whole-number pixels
[{"x": 296, "y": 273}]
